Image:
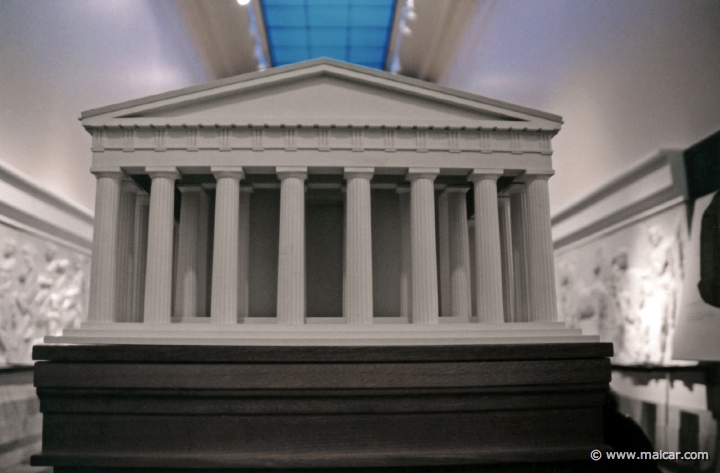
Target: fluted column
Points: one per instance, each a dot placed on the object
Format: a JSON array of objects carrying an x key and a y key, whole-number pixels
[
  {"x": 224, "y": 302},
  {"x": 443, "y": 224},
  {"x": 518, "y": 223},
  {"x": 186, "y": 291},
  {"x": 506, "y": 257},
  {"x": 405, "y": 253},
  {"x": 541, "y": 269},
  {"x": 459, "y": 249},
  {"x": 103, "y": 266},
  {"x": 424, "y": 258},
  {"x": 159, "y": 274},
  {"x": 487, "y": 246},
  {"x": 140, "y": 241},
  {"x": 244, "y": 254},
  {"x": 291, "y": 257},
  {"x": 125, "y": 247},
  {"x": 358, "y": 302}
]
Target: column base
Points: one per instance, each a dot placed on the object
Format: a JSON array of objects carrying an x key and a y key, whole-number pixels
[
  {"x": 265, "y": 331},
  {"x": 226, "y": 407}
]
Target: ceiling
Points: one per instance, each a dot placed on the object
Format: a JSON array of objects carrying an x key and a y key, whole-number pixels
[
  {"x": 231, "y": 37},
  {"x": 356, "y": 31}
]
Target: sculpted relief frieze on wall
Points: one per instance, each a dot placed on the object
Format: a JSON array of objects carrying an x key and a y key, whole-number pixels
[
  {"x": 626, "y": 287},
  {"x": 43, "y": 290}
]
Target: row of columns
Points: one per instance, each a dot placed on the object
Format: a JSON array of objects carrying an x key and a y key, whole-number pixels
[{"x": 512, "y": 246}]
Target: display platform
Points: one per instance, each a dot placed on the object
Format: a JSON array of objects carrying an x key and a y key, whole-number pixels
[
  {"x": 235, "y": 407},
  {"x": 322, "y": 331}
]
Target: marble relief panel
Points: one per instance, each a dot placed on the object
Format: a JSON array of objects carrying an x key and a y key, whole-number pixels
[
  {"x": 43, "y": 290},
  {"x": 626, "y": 286}
]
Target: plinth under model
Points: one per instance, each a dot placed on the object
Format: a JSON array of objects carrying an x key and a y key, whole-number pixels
[{"x": 320, "y": 265}]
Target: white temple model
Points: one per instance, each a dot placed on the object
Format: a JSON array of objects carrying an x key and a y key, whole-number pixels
[{"x": 321, "y": 204}]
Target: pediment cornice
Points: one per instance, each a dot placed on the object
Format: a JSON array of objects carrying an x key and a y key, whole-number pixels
[{"x": 317, "y": 94}]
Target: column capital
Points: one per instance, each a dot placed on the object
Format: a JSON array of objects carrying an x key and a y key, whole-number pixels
[
  {"x": 113, "y": 172},
  {"x": 246, "y": 189},
  {"x": 484, "y": 174},
  {"x": 169, "y": 172},
  {"x": 232, "y": 172},
  {"x": 456, "y": 190},
  {"x": 190, "y": 188},
  {"x": 536, "y": 174},
  {"x": 422, "y": 173},
  {"x": 358, "y": 172},
  {"x": 403, "y": 189},
  {"x": 298, "y": 172},
  {"x": 128, "y": 185},
  {"x": 513, "y": 188}
]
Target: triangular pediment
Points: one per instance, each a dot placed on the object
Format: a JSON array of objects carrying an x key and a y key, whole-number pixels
[{"x": 321, "y": 93}]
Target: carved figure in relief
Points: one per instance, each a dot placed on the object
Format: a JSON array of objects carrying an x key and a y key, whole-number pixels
[
  {"x": 634, "y": 307},
  {"x": 624, "y": 284},
  {"x": 589, "y": 306},
  {"x": 42, "y": 291}
]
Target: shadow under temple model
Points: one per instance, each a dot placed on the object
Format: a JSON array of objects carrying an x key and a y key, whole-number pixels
[{"x": 320, "y": 265}]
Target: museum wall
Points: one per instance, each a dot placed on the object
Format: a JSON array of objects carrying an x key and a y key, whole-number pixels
[
  {"x": 60, "y": 58},
  {"x": 637, "y": 263},
  {"x": 628, "y": 77},
  {"x": 45, "y": 243}
]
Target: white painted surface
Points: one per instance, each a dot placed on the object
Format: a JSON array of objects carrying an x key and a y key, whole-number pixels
[
  {"x": 26, "y": 203},
  {"x": 425, "y": 301},
  {"x": 159, "y": 269},
  {"x": 358, "y": 286},
  {"x": 291, "y": 301},
  {"x": 59, "y": 58},
  {"x": 322, "y": 335},
  {"x": 226, "y": 239},
  {"x": 488, "y": 266},
  {"x": 651, "y": 176}
]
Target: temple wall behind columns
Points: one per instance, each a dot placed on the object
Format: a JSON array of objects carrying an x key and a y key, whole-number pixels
[
  {"x": 324, "y": 256},
  {"x": 386, "y": 250},
  {"x": 264, "y": 240}
]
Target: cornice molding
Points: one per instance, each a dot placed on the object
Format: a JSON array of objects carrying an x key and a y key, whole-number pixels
[{"x": 26, "y": 205}]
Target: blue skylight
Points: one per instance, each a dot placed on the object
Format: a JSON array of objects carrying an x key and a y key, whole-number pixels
[{"x": 356, "y": 31}]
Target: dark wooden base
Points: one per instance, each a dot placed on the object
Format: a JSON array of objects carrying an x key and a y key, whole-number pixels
[{"x": 205, "y": 407}]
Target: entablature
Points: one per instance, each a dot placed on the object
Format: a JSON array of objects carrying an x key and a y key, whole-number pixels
[{"x": 502, "y": 138}]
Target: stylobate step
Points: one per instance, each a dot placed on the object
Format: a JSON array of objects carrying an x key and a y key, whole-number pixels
[{"x": 312, "y": 341}]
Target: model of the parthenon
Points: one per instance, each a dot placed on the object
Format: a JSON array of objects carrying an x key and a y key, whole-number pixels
[{"x": 321, "y": 203}]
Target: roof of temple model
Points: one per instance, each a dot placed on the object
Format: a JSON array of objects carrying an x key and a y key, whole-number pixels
[{"x": 322, "y": 92}]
